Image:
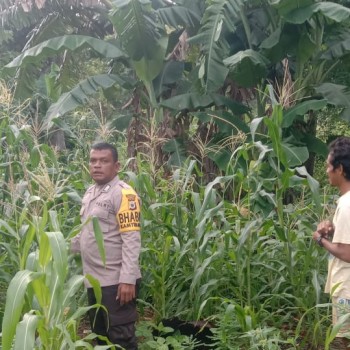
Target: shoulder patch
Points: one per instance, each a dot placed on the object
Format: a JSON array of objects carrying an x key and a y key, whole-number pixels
[
  {"x": 106, "y": 188},
  {"x": 128, "y": 216},
  {"x": 90, "y": 188}
]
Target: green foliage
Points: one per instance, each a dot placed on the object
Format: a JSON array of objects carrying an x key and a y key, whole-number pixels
[
  {"x": 335, "y": 12},
  {"x": 236, "y": 249},
  {"x": 82, "y": 93},
  {"x": 244, "y": 38},
  {"x": 165, "y": 339},
  {"x": 194, "y": 101},
  {"x": 142, "y": 38},
  {"x": 68, "y": 42},
  {"x": 229, "y": 251},
  {"x": 34, "y": 259},
  {"x": 228, "y": 333},
  {"x": 212, "y": 69},
  {"x": 44, "y": 294},
  {"x": 136, "y": 23},
  {"x": 336, "y": 95},
  {"x": 179, "y": 16},
  {"x": 247, "y": 67}
]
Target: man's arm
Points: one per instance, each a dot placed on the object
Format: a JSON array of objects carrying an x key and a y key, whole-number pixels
[
  {"x": 339, "y": 246},
  {"x": 130, "y": 265},
  {"x": 339, "y": 250},
  {"x": 128, "y": 219}
]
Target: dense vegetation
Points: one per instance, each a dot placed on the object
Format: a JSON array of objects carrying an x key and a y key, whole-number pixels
[
  {"x": 215, "y": 107},
  {"x": 229, "y": 252}
]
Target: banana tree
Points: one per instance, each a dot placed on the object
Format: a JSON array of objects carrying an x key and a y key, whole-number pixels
[
  {"x": 141, "y": 46},
  {"x": 28, "y": 23},
  {"x": 24, "y": 24},
  {"x": 243, "y": 46},
  {"x": 145, "y": 46},
  {"x": 247, "y": 41},
  {"x": 274, "y": 52},
  {"x": 321, "y": 48}
]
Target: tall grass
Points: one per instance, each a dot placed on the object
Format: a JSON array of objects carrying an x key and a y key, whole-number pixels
[{"x": 229, "y": 252}]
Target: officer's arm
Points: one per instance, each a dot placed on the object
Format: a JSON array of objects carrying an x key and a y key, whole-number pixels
[{"x": 128, "y": 219}]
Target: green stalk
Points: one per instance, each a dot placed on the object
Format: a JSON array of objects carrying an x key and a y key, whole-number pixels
[
  {"x": 249, "y": 280},
  {"x": 157, "y": 111},
  {"x": 246, "y": 26},
  {"x": 270, "y": 15},
  {"x": 260, "y": 101}
]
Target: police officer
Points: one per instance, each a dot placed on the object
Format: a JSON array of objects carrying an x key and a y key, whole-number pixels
[{"x": 117, "y": 207}]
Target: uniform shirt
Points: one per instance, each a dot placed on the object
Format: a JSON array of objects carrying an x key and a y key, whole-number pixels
[
  {"x": 339, "y": 270},
  {"x": 117, "y": 207}
]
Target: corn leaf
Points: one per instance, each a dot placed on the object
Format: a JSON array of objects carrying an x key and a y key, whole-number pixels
[
  {"x": 59, "y": 253},
  {"x": 96, "y": 287},
  {"x": 27, "y": 244},
  {"x": 73, "y": 286},
  {"x": 42, "y": 292},
  {"x": 25, "y": 333},
  {"x": 14, "y": 304}
]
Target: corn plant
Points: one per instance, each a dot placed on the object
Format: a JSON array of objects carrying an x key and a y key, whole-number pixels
[
  {"x": 186, "y": 243},
  {"x": 236, "y": 239},
  {"x": 231, "y": 252},
  {"x": 42, "y": 310}
]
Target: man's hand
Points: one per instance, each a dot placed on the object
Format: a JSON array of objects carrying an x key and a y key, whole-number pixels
[
  {"x": 316, "y": 235},
  {"x": 126, "y": 293},
  {"x": 325, "y": 228}
]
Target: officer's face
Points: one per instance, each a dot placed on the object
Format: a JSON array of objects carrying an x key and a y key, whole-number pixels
[{"x": 103, "y": 168}]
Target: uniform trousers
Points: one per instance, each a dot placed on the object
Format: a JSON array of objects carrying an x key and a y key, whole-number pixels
[{"x": 118, "y": 325}]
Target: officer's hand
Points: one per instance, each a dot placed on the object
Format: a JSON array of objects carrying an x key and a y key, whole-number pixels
[
  {"x": 325, "y": 228},
  {"x": 126, "y": 293}
]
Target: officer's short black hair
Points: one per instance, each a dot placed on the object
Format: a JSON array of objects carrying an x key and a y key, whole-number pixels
[
  {"x": 339, "y": 151},
  {"x": 99, "y": 146}
]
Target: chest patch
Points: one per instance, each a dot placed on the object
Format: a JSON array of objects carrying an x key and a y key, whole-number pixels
[
  {"x": 128, "y": 215},
  {"x": 104, "y": 204}
]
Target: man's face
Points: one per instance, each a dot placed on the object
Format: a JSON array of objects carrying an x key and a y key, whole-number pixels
[
  {"x": 335, "y": 176},
  {"x": 103, "y": 168}
]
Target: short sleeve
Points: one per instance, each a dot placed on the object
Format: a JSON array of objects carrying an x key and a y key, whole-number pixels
[{"x": 342, "y": 225}]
